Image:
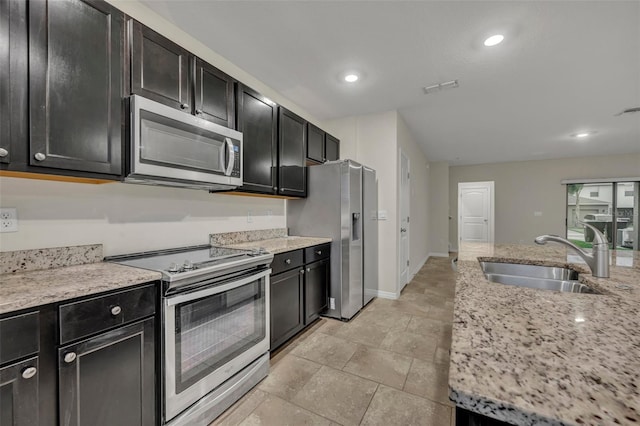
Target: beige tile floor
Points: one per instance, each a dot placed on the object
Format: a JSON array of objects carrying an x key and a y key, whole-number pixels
[{"x": 387, "y": 366}]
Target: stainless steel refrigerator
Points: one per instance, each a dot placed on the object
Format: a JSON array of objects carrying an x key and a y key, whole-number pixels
[{"x": 342, "y": 203}]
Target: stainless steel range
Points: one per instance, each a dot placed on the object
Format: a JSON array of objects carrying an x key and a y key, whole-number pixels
[{"x": 215, "y": 339}]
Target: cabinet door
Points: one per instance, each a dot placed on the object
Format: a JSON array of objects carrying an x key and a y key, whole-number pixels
[
  {"x": 4, "y": 82},
  {"x": 258, "y": 122},
  {"x": 160, "y": 69},
  {"x": 286, "y": 306},
  {"x": 75, "y": 85},
  {"x": 19, "y": 393},
  {"x": 331, "y": 148},
  {"x": 316, "y": 285},
  {"x": 315, "y": 143},
  {"x": 292, "y": 149},
  {"x": 214, "y": 95},
  {"x": 109, "y": 379}
]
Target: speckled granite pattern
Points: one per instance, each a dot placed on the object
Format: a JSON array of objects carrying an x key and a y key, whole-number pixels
[
  {"x": 537, "y": 357},
  {"x": 30, "y": 289},
  {"x": 229, "y": 238},
  {"x": 281, "y": 245},
  {"x": 47, "y": 258}
]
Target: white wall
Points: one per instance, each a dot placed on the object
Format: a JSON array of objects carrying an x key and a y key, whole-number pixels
[
  {"x": 439, "y": 208},
  {"x": 126, "y": 218},
  {"x": 525, "y": 187},
  {"x": 419, "y": 191}
]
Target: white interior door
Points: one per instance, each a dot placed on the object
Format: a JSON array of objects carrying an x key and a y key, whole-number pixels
[
  {"x": 405, "y": 201},
  {"x": 475, "y": 212}
]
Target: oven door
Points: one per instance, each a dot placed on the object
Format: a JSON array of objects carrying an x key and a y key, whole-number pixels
[{"x": 212, "y": 334}]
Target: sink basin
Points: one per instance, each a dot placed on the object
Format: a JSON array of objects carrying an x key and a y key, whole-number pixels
[
  {"x": 534, "y": 276},
  {"x": 534, "y": 271},
  {"x": 541, "y": 283}
]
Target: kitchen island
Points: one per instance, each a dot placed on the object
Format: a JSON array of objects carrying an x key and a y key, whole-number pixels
[{"x": 528, "y": 356}]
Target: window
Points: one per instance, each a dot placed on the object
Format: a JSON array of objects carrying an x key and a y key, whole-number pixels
[{"x": 611, "y": 207}]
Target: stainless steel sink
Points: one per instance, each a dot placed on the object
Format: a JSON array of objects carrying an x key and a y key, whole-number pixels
[
  {"x": 534, "y": 276},
  {"x": 533, "y": 271}
]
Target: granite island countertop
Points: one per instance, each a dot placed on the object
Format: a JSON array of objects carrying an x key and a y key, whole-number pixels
[
  {"x": 529, "y": 356},
  {"x": 282, "y": 244},
  {"x": 30, "y": 289}
]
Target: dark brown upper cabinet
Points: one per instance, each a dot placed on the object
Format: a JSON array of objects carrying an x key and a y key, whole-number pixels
[
  {"x": 258, "y": 122},
  {"x": 76, "y": 51},
  {"x": 292, "y": 150},
  {"x": 331, "y": 148},
  {"x": 315, "y": 143},
  {"x": 5, "y": 33},
  {"x": 160, "y": 69},
  {"x": 214, "y": 100}
]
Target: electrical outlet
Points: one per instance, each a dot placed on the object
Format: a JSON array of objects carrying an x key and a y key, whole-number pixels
[
  {"x": 8, "y": 220},
  {"x": 332, "y": 303},
  {"x": 249, "y": 216}
]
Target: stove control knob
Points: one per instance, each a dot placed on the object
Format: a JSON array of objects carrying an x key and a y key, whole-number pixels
[
  {"x": 173, "y": 268},
  {"x": 188, "y": 265}
]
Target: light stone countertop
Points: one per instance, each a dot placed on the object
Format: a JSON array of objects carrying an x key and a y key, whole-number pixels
[
  {"x": 23, "y": 290},
  {"x": 529, "y": 356},
  {"x": 282, "y": 244}
]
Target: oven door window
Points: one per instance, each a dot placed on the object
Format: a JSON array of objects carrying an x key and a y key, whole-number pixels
[{"x": 215, "y": 329}]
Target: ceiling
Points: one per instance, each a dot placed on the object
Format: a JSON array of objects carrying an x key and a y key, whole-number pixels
[{"x": 564, "y": 67}]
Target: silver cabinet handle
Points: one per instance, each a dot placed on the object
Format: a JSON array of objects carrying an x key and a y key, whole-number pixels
[
  {"x": 184, "y": 106},
  {"x": 198, "y": 111},
  {"x": 3, "y": 152},
  {"x": 29, "y": 372},
  {"x": 308, "y": 269},
  {"x": 69, "y": 357},
  {"x": 275, "y": 188},
  {"x": 40, "y": 156},
  {"x": 288, "y": 261},
  {"x": 318, "y": 252},
  {"x": 302, "y": 271},
  {"x": 116, "y": 310},
  {"x": 403, "y": 230}
]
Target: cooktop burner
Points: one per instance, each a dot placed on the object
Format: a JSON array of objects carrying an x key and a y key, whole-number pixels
[{"x": 191, "y": 261}]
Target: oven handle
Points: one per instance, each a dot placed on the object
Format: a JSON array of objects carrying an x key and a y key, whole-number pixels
[{"x": 181, "y": 298}]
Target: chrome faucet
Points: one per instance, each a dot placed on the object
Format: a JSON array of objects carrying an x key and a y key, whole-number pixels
[{"x": 598, "y": 260}]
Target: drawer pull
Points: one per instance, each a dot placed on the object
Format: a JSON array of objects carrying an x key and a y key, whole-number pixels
[
  {"x": 319, "y": 252},
  {"x": 308, "y": 269},
  {"x": 116, "y": 310},
  {"x": 69, "y": 357},
  {"x": 40, "y": 156},
  {"x": 3, "y": 152},
  {"x": 29, "y": 372},
  {"x": 288, "y": 261}
]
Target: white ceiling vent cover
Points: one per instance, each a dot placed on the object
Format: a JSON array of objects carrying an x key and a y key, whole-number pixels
[{"x": 441, "y": 86}]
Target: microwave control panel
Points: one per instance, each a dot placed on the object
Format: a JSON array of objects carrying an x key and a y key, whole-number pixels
[{"x": 237, "y": 162}]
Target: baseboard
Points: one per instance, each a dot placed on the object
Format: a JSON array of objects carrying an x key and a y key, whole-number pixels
[
  {"x": 384, "y": 294},
  {"x": 437, "y": 254}
]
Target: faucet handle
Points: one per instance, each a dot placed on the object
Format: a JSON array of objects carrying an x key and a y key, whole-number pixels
[{"x": 598, "y": 236}]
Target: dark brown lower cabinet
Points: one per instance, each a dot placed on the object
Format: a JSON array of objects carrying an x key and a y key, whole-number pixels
[
  {"x": 109, "y": 379},
  {"x": 286, "y": 306},
  {"x": 316, "y": 283},
  {"x": 468, "y": 418},
  {"x": 19, "y": 393}
]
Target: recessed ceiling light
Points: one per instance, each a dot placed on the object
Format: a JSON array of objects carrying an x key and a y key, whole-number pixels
[
  {"x": 493, "y": 40},
  {"x": 582, "y": 135},
  {"x": 351, "y": 78}
]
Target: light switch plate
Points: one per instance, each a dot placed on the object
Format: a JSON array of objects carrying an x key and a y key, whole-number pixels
[{"x": 537, "y": 214}]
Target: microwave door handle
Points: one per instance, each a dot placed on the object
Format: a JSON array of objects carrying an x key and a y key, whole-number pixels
[{"x": 232, "y": 157}]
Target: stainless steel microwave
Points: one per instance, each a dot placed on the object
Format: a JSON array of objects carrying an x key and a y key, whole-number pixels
[{"x": 173, "y": 148}]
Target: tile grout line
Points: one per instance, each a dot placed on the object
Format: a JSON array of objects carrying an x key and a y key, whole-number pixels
[
  {"x": 407, "y": 376},
  {"x": 369, "y": 404}
]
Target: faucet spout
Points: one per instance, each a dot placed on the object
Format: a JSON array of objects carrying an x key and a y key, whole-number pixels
[{"x": 598, "y": 259}]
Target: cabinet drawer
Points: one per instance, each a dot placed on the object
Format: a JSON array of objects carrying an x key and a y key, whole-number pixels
[
  {"x": 285, "y": 261},
  {"x": 94, "y": 315},
  {"x": 312, "y": 254},
  {"x": 19, "y": 336}
]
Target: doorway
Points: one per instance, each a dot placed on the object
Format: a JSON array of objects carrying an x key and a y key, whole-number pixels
[
  {"x": 476, "y": 212},
  {"x": 405, "y": 208}
]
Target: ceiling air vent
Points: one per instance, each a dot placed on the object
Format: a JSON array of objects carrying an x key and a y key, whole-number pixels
[
  {"x": 440, "y": 86},
  {"x": 627, "y": 111}
]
